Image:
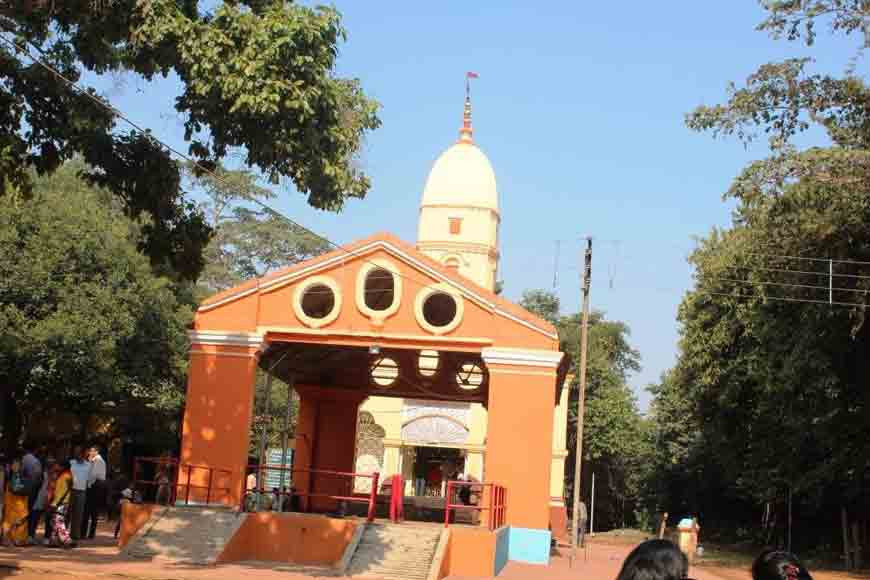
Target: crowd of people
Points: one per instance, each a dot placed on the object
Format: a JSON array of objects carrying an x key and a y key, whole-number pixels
[
  {"x": 65, "y": 496},
  {"x": 663, "y": 560}
]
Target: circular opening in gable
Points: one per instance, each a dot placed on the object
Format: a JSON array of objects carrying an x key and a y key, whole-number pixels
[
  {"x": 427, "y": 363},
  {"x": 385, "y": 371},
  {"x": 318, "y": 301},
  {"x": 439, "y": 309},
  {"x": 469, "y": 376},
  {"x": 380, "y": 289}
]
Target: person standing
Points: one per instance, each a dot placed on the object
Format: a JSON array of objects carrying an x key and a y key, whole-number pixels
[
  {"x": 60, "y": 491},
  {"x": 41, "y": 507},
  {"x": 80, "y": 468},
  {"x": 15, "y": 507},
  {"x": 95, "y": 499},
  {"x": 31, "y": 474}
]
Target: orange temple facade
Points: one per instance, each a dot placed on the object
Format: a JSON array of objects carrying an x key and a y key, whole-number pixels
[{"x": 381, "y": 318}]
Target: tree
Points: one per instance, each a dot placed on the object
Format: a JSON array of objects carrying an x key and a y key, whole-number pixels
[
  {"x": 257, "y": 76},
  {"x": 85, "y": 321},
  {"x": 613, "y": 444},
  {"x": 774, "y": 341},
  {"x": 542, "y": 303},
  {"x": 248, "y": 241},
  {"x": 273, "y": 422}
]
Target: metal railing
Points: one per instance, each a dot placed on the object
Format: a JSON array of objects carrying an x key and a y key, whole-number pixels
[
  {"x": 346, "y": 478},
  {"x": 397, "y": 499},
  {"x": 173, "y": 485},
  {"x": 496, "y": 505}
]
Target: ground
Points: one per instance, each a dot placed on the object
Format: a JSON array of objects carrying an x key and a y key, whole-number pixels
[{"x": 601, "y": 559}]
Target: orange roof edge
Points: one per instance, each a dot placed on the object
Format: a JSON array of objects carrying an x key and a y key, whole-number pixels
[{"x": 351, "y": 251}]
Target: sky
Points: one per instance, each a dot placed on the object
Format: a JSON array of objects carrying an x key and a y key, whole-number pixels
[{"x": 580, "y": 108}]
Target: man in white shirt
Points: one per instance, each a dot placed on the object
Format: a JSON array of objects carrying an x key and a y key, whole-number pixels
[
  {"x": 95, "y": 501},
  {"x": 80, "y": 468}
]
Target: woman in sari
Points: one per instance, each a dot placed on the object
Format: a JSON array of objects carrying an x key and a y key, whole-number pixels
[
  {"x": 15, "y": 508},
  {"x": 60, "y": 487}
]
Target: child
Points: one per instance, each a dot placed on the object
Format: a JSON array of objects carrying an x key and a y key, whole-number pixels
[
  {"x": 776, "y": 565},
  {"x": 655, "y": 560},
  {"x": 127, "y": 496}
]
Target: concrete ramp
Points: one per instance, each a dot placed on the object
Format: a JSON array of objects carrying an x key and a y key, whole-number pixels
[{"x": 193, "y": 535}]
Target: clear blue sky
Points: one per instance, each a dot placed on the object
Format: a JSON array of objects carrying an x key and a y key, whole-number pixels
[{"x": 579, "y": 107}]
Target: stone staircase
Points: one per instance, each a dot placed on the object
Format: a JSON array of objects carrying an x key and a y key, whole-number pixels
[
  {"x": 395, "y": 551},
  {"x": 193, "y": 535}
]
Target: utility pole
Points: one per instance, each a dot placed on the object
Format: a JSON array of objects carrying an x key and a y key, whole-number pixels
[
  {"x": 581, "y": 397},
  {"x": 592, "y": 508}
]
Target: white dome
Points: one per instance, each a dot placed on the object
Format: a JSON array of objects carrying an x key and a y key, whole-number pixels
[{"x": 461, "y": 177}]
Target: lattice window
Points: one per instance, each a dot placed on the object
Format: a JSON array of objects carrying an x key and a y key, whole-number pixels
[{"x": 369, "y": 450}]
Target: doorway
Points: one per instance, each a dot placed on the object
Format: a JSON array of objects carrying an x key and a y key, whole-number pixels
[{"x": 433, "y": 467}]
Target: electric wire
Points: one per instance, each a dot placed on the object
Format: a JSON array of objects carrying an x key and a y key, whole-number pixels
[{"x": 147, "y": 134}]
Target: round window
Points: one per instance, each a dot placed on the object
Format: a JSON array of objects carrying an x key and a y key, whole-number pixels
[
  {"x": 427, "y": 363},
  {"x": 380, "y": 289},
  {"x": 385, "y": 371},
  {"x": 469, "y": 376},
  {"x": 318, "y": 301},
  {"x": 439, "y": 309}
]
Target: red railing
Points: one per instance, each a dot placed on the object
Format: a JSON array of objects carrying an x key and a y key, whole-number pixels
[
  {"x": 348, "y": 479},
  {"x": 174, "y": 485},
  {"x": 397, "y": 499},
  {"x": 496, "y": 508}
]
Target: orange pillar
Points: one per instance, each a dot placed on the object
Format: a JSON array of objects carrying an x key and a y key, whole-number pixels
[
  {"x": 519, "y": 443},
  {"x": 326, "y": 440},
  {"x": 217, "y": 420}
]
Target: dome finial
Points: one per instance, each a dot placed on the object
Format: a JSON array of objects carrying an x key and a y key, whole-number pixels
[{"x": 466, "y": 131}]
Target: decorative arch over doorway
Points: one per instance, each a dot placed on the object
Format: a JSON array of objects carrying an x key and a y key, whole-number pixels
[{"x": 434, "y": 429}]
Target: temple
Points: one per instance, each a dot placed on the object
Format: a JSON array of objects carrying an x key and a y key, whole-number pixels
[{"x": 406, "y": 361}]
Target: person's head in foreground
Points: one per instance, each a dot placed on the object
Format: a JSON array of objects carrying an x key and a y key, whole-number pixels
[
  {"x": 778, "y": 565},
  {"x": 655, "y": 560}
]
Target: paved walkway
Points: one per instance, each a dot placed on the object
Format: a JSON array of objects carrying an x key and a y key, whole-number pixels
[
  {"x": 598, "y": 562},
  {"x": 99, "y": 559}
]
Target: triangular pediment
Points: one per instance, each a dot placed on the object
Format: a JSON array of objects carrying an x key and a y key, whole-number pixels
[{"x": 333, "y": 288}]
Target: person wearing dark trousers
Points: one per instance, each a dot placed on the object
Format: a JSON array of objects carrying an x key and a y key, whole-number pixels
[
  {"x": 95, "y": 499},
  {"x": 31, "y": 472},
  {"x": 80, "y": 468},
  {"x": 40, "y": 510}
]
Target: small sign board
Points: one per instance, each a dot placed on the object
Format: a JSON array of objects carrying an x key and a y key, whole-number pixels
[{"x": 273, "y": 476}]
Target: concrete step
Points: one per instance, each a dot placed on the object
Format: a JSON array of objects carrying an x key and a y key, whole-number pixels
[
  {"x": 191, "y": 535},
  {"x": 395, "y": 551}
]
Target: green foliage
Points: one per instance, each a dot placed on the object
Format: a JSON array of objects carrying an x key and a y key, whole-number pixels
[
  {"x": 769, "y": 391},
  {"x": 85, "y": 321},
  {"x": 257, "y": 77},
  {"x": 543, "y": 303},
  {"x": 248, "y": 241},
  {"x": 273, "y": 421},
  {"x": 796, "y": 19},
  {"x": 613, "y": 441}
]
